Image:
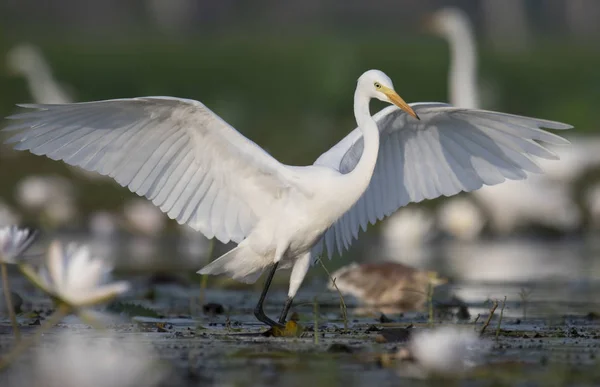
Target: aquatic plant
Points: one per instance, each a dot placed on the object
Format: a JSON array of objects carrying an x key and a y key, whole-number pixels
[
  {"x": 500, "y": 319},
  {"x": 524, "y": 295},
  {"x": 13, "y": 242},
  {"x": 342, "y": 302}
]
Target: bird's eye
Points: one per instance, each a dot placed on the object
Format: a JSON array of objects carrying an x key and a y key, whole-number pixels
[{"x": 377, "y": 85}]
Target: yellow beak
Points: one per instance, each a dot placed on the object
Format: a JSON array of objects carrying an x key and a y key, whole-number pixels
[{"x": 398, "y": 101}]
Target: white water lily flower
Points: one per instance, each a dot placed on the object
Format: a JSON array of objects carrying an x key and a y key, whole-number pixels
[
  {"x": 74, "y": 277},
  {"x": 13, "y": 242},
  {"x": 447, "y": 350}
]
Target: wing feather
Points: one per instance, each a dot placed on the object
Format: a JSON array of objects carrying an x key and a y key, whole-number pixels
[
  {"x": 176, "y": 152},
  {"x": 448, "y": 151}
]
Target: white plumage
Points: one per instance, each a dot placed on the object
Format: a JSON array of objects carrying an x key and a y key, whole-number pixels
[
  {"x": 202, "y": 172},
  {"x": 450, "y": 150}
]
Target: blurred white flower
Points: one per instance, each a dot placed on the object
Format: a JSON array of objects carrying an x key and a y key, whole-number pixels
[
  {"x": 461, "y": 218},
  {"x": 75, "y": 360},
  {"x": 33, "y": 192},
  {"x": 144, "y": 217},
  {"x": 74, "y": 277},
  {"x": 446, "y": 350},
  {"x": 7, "y": 215},
  {"x": 13, "y": 242},
  {"x": 51, "y": 196},
  {"x": 103, "y": 224},
  {"x": 409, "y": 226}
]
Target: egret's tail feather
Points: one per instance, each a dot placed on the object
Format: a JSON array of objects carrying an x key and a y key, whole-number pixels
[{"x": 241, "y": 264}]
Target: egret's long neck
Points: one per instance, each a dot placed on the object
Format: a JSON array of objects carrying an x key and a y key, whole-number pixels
[
  {"x": 463, "y": 67},
  {"x": 362, "y": 173}
]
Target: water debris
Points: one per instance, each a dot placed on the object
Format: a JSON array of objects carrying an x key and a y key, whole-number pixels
[
  {"x": 393, "y": 335},
  {"x": 213, "y": 309},
  {"x": 340, "y": 348}
]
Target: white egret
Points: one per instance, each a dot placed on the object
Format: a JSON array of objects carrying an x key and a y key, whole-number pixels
[{"x": 201, "y": 171}]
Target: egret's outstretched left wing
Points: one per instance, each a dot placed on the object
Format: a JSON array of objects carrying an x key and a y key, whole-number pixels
[{"x": 448, "y": 151}]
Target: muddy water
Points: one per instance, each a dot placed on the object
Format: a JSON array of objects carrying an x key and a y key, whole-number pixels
[{"x": 549, "y": 333}]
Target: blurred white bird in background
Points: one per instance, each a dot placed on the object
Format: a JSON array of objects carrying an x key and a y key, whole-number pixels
[
  {"x": 519, "y": 203},
  {"x": 454, "y": 25},
  {"x": 28, "y": 61},
  {"x": 201, "y": 171}
]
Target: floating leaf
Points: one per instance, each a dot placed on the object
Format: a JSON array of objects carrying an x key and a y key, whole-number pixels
[
  {"x": 393, "y": 335},
  {"x": 292, "y": 329}
]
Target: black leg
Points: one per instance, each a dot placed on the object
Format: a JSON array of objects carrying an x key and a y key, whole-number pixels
[
  {"x": 258, "y": 310},
  {"x": 286, "y": 309}
]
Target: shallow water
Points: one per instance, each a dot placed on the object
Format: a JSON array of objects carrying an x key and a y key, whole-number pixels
[{"x": 549, "y": 334}]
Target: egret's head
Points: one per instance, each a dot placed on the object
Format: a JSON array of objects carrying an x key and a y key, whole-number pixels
[{"x": 375, "y": 84}]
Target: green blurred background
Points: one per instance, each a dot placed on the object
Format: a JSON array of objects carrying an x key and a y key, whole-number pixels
[{"x": 283, "y": 72}]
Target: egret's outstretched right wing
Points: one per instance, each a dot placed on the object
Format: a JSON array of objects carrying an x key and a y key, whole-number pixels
[
  {"x": 176, "y": 152},
  {"x": 448, "y": 151}
]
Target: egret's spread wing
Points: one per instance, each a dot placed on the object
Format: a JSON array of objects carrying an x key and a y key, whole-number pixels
[
  {"x": 448, "y": 151},
  {"x": 176, "y": 152}
]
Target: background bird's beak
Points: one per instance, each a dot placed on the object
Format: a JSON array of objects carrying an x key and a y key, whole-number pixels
[{"x": 398, "y": 101}]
